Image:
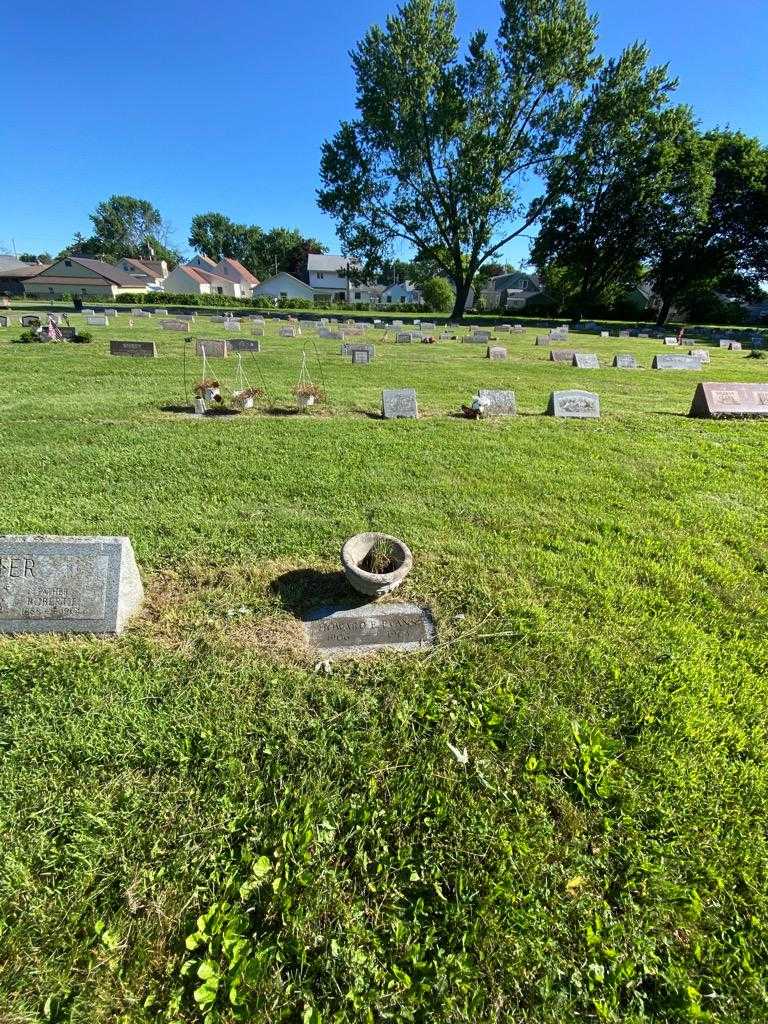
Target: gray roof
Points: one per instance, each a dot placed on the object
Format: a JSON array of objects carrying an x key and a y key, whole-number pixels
[
  {"x": 330, "y": 262},
  {"x": 106, "y": 271}
]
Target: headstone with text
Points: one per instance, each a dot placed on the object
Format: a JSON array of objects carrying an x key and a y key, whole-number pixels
[
  {"x": 735, "y": 346},
  {"x": 399, "y": 404},
  {"x": 732, "y": 400},
  {"x": 231, "y": 325},
  {"x": 97, "y": 321},
  {"x": 361, "y": 357},
  {"x": 52, "y": 584},
  {"x": 146, "y": 349},
  {"x": 579, "y": 405},
  {"x": 175, "y": 325},
  {"x": 212, "y": 348},
  {"x": 624, "y": 361},
  {"x": 586, "y": 361},
  {"x": 561, "y": 355},
  {"x": 370, "y": 628},
  {"x": 675, "y": 363},
  {"x": 244, "y": 345},
  {"x": 497, "y": 403},
  {"x": 497, "y": 352},
  {"x": 701, "y": 354}
]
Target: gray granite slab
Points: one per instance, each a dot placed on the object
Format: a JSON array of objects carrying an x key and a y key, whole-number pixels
[
  {"x": 701, "y": 354},
  {"x": 561, "y": 355},
  {"x": 624, "y": 361},
  {"x": 573, "y": 404},
  {"x": 212, "y": 348},
  {"x": 52, "y": 584},
  {"x": 497, "y": 352},
  {"x": 500, "y": 403},
  {"x": 147, "y": 349},
  {"x": 675, "y": 363},
  {"x": 175, "y": 325},
  {"x": 371, "y": 628},
  {"x": 399, "y": 404},
  {"x": 586, "y": 361},
  {"x": 361, "y": 358},
  {"x": 244, "y": 345},
  {"x": 713, "y": 400}
]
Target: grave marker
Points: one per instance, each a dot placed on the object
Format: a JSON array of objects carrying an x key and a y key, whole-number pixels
[
  {"x": 586, "y": 361},
  {"x": 675, "y": 363},
  {"x": 735, "y": 346},
  {"x": 373, "y": 627},
  {"x": 561, "y": 355},
  {"x": 497, "y": 403},
  {"x": 244, "y": 345},
  {"x": 148, "y": 349},
  {"x": 361, "y": 357},
  {"x": 497, "y": 352},
  {"x": 701, "y": 354},
  {"x": 30, "y": 321},
  {"x": 625, "y": 361},
  {"x": 232, "y": 325},
  {"x": 212, "y": 349},
  {"x": 97, "y": 321},
  {"x": 175, "y": 325},
  {"x": 52, "y": 584},
  {"x": 712, "y": 400},
  {"x": 399, "y": 404},
  {"x": 579, "y": 405}
]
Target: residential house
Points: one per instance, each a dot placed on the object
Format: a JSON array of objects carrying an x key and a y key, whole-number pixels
[
  {"x": 203, "y": 262},
  {"x": 13, "y": 274},
  {"x": 284, "y": 286},
  {"x": 234, "y": 271},
  {"x": 511, "y": 291},
  {"x": 334, "y": 277},
  {"x": 76, "y": 275},
  {"x": 191, "y": 280},
  {"x": 150, "y": 273},
  {"x": 401, "y": 293}
]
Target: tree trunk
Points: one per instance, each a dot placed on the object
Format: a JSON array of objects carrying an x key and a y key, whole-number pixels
[
  {"x": 462, "y": 291},
  {"x": 666, "y": 305}
]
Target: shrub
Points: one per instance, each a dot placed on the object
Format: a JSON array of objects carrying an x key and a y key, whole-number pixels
[
  {"x": 438, "y": 295},
  {"x": 28, "y": 336}
]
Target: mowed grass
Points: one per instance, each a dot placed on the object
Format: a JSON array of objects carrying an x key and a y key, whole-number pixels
[{"x": 201, "y": 823}]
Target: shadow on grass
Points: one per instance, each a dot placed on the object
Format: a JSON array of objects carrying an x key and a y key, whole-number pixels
[
  {"x": 276, "y": 410},
  {"x": 302, "y": 590},
  {"x": 188, "y": 409}
]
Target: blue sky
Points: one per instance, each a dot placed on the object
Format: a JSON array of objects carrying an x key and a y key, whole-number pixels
[{"x": 224, "y": 107}]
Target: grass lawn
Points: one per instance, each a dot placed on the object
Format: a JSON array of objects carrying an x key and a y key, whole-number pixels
[{"x": 199, "y": 825}]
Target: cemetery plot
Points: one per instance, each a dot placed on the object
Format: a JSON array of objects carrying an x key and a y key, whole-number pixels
[
  {"x": 244, "y": 345},
  {"x": 497, "y": 403},
  {"x": 625, "y": 361},
  {"x": 147, "y": 349},
  {"x": 712, "y": 400},
  {"x": 496, "y": 352},
  {"x": 398, "y": 627},
  {"x": 675, "y": 363},
  {"x": 399, "y": 404},
  {"x": 212, "y": 348},
  {"x": 561, "y": 355}
]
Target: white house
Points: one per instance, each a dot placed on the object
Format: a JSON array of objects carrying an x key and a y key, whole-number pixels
[
  {"x": 151, "y": 273},
  {"x": 77, "y": 275},
  {"x": 402, "y": 292},
  {"x": 511, "y": 291},
  {"x": 203, "y": 262},
  {"x": 190, "y": 280},
  {"x": 284, "y": 286},
  {"x": 333, "y": 276},
  {"x": 235, "y": 271}
]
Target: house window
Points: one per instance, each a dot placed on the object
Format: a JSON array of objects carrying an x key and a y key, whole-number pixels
[
  {"x": 283, "y": 295},
  {"x": 50, "y": 291},
  {"x": 83, "y": 291},
  {"x": 357, "y": 295},
  {"x": 219, "y": 291},
  {"x": 67, "y": 263},
  {"x": 320, "y": 275},
  {"x": 389, "y": 298}
]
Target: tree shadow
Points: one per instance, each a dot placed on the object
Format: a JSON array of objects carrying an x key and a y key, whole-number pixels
[
  {"x": 302, "y": 590},
  {"x": 188, "y": 409},
  {"x": 275, "y": 410}
]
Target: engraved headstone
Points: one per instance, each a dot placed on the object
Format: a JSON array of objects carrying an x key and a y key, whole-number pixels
[
  {"x": 244, "y": 345},
  {"x": 544, "y": 339},
  {"x": 712, "y": 400},
  {"x": 604, "y": 334},
  {"x": 372, "y": 627},
  {"x": 723, "y": 343},
  {"x": 212, "y": 349},
  {"x": 497, "y": 403},
  {"x": 399, "y": 404},
  {"x": 68, "y": 333},
  {"x": 624, "y": 361},
  {"x": 735, "y": 346},
  {"x": 175, "y": 325},
  {"x": 670, "y": 341},
  {"x": 480, "y": 336},
  {"x": 580, "y": 405},
  {"x": 30, "y": 321},
  {"x": 288, "y": 332},
  {"x": 586, "y": 361},
  {"x": 623, "y": 334},
  {"x": 403, "y": 338},
  {"x": 232, "y": 325},
  {"x": 361, "y": 357},
  {"x": 5, "y": 320},
  {"x": 148, "y": 349},
  {"x": 675, "y": 363},
  {"x": 161, "y": 312},
  {"x": 110, "y": 312},
  {"x": 497, "y": 352},
  {"x": 561, "y": 355},
  {"x": 350, "y": 347},
  {"x": 54, "y": 584},
  {"x": 701, "y": 354},
  {"x": 97, "y": 321}
]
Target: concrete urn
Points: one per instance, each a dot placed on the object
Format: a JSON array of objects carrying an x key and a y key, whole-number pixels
[{"x": 356, "y": 552}]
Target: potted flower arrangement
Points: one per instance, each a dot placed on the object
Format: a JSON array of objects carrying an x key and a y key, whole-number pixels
[
  {"x": 307, "y": 394},
  {"x": 245, "y": 397},
  {"x": 206, "y": 390}
]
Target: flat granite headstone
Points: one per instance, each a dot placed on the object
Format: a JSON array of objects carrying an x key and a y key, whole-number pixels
[
  {"x": 403, "y": 338},
  {"x": 481, "y": 336},
  {"x": 579, "y": 405},
  {"x": 712, "y": 400},
  {"x": 500, "y": 403},
  {"x": 161, "y": 312},
  {"x": 97, "y": 321},
  {"x": 360, "y": 357},
  {"x": 212, "y": 349},
  {"x": 244, "y": 345},
  {"x": 68, "y": 333},
  {"x": 544, "y": 339},
  {"x": 110, "y": 312},
  {"x": 175, "y": 325},
  {"x": 30, "y": 321},
  {"x": 497, "y": 352},
  {"x": 399, "y": 404},
  {"x": 5, "y": 320},
  {"x": 561, "y": 355},
  {"x": 701, "y": 354},
  {"x": 373, "y": 627},
  {"x": 675, "y": 363},
  {"x": 625, "y": 361},
  {"x": 67, "y": 584},
  {"x": 586, "y": 361},
  {"x": 147, "y": 349},
  {"x": 670, "y": 341}
]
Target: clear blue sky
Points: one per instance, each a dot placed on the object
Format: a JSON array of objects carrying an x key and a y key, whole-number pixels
[{"x": 224, "y": 107}]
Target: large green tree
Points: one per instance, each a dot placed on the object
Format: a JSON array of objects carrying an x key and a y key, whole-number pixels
[
  {"x": 125, "y": 226},
  {"x": 725, "y": 249},
  {"x": 445, "y": 142},
  {"x": 628, "y": 162}
]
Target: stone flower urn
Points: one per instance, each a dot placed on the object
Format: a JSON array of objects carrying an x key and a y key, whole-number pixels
[{"x": 375, "y": 563}]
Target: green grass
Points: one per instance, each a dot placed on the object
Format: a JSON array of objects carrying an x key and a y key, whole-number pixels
[{"x": 197, "y": 824}]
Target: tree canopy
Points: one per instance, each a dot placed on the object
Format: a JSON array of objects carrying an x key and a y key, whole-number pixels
[
  {"x": 125, "y": 226},
  {"x": 444, "y": 143},
  {"x": 262, "y": 252}
]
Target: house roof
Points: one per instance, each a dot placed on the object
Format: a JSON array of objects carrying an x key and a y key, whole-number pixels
[
  {"x": 292, "y": 277},
  {"x": 206, "y": 259},
  {"x": 407, "y": 286},
  {"x": 97, "y": 267},
  {"x": 22, "y": 270},
  {"x": 202, "y": 275},
  {"x": 330, "y": 262},
  {"x": 154, "y": 268},
  {"x": 244, "y": 273},
  {"x": 8, "y": 262}
]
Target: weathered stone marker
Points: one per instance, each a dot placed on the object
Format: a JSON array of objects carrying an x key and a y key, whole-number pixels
[
  {"x": 735, "y": 346},
  {"x": 97, "y": 321},
  {"x": 712, "y": 400},
  {"x": 675, "y": 363},
  {"x": 499, "y": 403},
  {"x": 212, "y": 349},
  {"x": 67, "y": 584},
  {"x": 586, "y": 361},
  {"x": 244, "y": 345},
  {"x": 373, "y": 627},
  {"x": 399, "y": 404},
  {"x": 561, "y": 355},
  {"x": 701, "y": 354},
  {"x": 497, "y": 352},
  {"x": 670, "y": 341},
  {"x": 5, "y": 320},
  {"x": 148, "y": 349},
  {"x": 175, "y": 325},
  {"x": 625, "y": 362},
  {"x": 350, "y": 347},
  {"x": 30, "y": 321},
  {"x": 544, "y": 339},
  {"x": 232, "y": 325},
  {"x": 579, "y": 405},
  {"x": 360, "y": 357}
]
